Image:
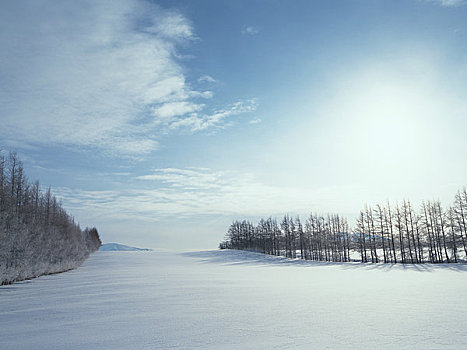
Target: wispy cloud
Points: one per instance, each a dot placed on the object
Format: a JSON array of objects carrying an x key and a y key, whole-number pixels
[
  {"x": 448, "y": 3},
  {"x": 167, "y": 111},
  {"x": 206, "y": 79},
  {"x": 250, "y": 30},
  {"x": 105, "y": 75},
  {"x": 197, "y": 122},
  {"x": 255, "y": 121},
  {"x": 186, "y": 192},
  {"x": 188, "y": 179}
]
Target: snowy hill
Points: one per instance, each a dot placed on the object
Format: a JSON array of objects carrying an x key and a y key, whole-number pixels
[{"x": 112, "y": 247}]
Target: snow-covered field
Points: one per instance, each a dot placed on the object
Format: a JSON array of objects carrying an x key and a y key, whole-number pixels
[{"x": 235, "y": 300}]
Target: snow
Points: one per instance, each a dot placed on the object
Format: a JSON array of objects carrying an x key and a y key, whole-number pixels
[
  {"x": 235, "y": 300},
  {"x": 111, "y": 247}
]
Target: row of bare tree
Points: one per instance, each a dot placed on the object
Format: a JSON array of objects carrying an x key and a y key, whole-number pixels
[
  {"x": 323, "y": 238},
  {"x": 37, "y": 236},
  {"x": 401, "y": 234},
  {"x": 397, "y": 234}
]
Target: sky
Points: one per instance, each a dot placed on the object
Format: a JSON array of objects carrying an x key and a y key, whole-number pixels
[{"x": 160, "y": 122}]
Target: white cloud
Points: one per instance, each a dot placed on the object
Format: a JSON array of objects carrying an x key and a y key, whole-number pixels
[
  {"x": 448, "y": 3},
  {"x": 172, "y": 109},
  {"x": 250, "y": 30},
  {"x": 95, "y": 74},
  {"x": 255, "y": 121},
  {"x": 191, "y": 178},
  {"x": 206, "y": 79},
  {"x": 173, "y": 26},
  {"x": 197, "y": 122},
  {"x": 186, "y": 192}
]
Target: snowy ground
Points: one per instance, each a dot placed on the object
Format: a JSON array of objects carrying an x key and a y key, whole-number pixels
[{"x": 235, "y": 300}]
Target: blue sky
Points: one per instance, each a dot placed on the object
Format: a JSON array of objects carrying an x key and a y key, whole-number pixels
[{"x": 161, "y": 121}]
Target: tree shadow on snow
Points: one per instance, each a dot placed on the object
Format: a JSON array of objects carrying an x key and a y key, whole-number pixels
[{"x": 239, "y": 257}]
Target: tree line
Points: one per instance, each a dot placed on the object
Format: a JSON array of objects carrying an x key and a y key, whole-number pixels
[
  {"x": 382, "y": 233},
  {"x": 37, "y": 236}
]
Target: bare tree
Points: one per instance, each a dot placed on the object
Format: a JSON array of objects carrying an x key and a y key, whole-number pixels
[
  {"x": 402, "y": 234},
  {"x": 37, "y": 236}
]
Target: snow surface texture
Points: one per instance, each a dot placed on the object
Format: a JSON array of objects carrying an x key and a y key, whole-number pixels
[
  {"x": 112, "y": 247},
  {"x": 235, "y": 300}
]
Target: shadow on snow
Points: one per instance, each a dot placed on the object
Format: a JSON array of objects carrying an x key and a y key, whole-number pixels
[{"x": 240, "y": 257}]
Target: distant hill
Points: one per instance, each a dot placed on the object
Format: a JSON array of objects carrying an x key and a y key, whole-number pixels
[{"x": 112, "y": 247}]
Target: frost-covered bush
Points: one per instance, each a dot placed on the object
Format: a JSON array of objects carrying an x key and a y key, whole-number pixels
[{"x": 37, "y": 236}]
